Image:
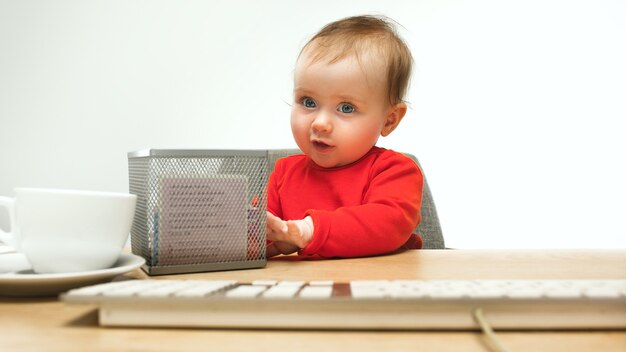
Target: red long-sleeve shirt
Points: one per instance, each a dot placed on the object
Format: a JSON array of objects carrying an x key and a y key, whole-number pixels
[{"x": 365, "y": 208}]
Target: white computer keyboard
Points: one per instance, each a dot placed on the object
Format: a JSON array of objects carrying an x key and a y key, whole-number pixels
[{"x": 407, "y": 304}]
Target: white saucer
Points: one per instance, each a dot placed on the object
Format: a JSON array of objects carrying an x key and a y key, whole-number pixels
[{"x": 18, "y": 280}]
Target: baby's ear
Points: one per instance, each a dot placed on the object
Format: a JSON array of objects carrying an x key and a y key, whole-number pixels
[{"x": 393, "y": 118}]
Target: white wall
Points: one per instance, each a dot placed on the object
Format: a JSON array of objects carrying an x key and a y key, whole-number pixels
[{"x": 517, "y": 107}]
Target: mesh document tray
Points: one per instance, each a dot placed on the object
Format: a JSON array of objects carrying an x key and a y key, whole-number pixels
[{"x": 199, "y": 210}]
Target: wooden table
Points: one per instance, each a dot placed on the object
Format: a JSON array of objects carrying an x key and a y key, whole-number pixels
[{"x": 50, "y": 325}]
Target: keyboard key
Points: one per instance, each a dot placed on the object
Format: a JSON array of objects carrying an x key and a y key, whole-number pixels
[
  {"x": 245, "y": 291},
  {"x": 166, "y": 289},
  {"x": 291, "y": 283},
  {"x": 408, "y": 291},
  {"x": 321, "y": 283},
  {"x": 285, "y": 291},
  {"x": 525, "y": 293},
  {"x": 602, "y": 292},
  {"x": 490, "y": 292},
  {"x": 563, "y": 292},
  {"x": 98, "y": 289},
  {"x": 204, "y": 288},
  {"x": 369, "y": 283},
  {"x": 264, "y": 282},
  {"x": 132, "y": 288},
  {"x": 321, "y": 291},
  {"x": 368, "y": 292}
]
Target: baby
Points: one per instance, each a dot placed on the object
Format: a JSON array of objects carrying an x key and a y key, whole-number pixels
[{"x": 345, "y": 197}]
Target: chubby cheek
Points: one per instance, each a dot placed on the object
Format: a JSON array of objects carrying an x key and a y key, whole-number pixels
[
  {"x": 365, "y": 134},
  {"x": 299, "y": 129},
  {"x": 359, "y": 144}
]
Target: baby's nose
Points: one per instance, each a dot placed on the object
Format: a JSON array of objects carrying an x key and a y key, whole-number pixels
[{"x": 322, "y": 123}]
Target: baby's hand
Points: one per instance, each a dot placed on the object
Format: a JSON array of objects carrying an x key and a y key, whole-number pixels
[
  {"x": 276, "y": 248},
  {"x": 294, "y": 234}
]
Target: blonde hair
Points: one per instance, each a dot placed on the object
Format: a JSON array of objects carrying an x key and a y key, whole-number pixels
[{"x": 372, "y": 35}]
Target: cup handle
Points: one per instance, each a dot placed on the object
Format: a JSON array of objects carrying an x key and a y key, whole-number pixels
[{"x": 9, "y": 204}]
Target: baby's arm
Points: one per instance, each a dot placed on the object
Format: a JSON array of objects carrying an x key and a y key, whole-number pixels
[
  {"x": 383, "y": 222},
  {"x": 288, "y": 236}
]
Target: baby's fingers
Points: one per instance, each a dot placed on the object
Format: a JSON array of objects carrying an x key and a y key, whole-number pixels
[
  {"x": 285, "y": 248},
  {"x": 276, "y": 248},
  {"x": 271, "y": 250},
  {"x": 275, "y": 223}
]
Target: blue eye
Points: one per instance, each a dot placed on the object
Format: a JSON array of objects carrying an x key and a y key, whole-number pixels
[
  {"x": 308, "y": 103},
  {"x": 346, "y": 108}
]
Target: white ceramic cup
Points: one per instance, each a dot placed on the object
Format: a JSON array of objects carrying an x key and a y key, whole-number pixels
[{"x": 63, "y": 231}]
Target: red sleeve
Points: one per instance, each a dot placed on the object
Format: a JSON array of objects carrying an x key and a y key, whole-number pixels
[
  {"x": 385, "y": 220},
  {"x": 273, "y": 198}
]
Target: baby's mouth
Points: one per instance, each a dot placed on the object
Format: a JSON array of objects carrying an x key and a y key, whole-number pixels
[{"x": 321, "y": 146}]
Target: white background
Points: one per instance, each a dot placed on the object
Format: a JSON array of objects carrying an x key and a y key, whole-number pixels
[{"x": 517, "y": 108}]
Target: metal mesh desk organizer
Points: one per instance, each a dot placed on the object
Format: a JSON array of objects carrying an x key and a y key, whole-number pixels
[{"x": 199, "y": 210}]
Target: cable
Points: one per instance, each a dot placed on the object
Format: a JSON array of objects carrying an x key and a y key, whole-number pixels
[{"x": 492, "y": 338}]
